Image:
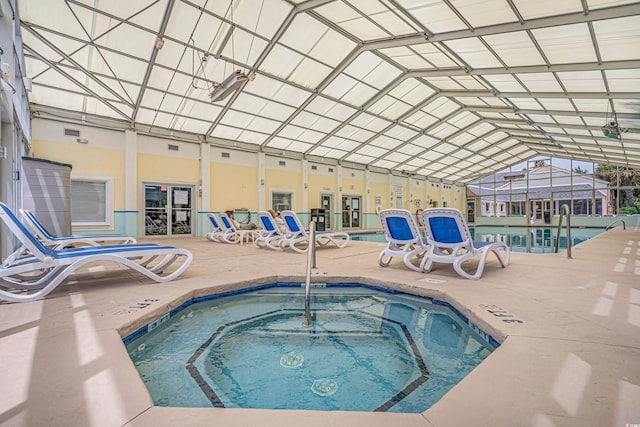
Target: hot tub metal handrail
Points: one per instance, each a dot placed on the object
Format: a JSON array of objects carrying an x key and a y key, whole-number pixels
[
  {"x": 564, "y": 210},
  {"x": 311, "y": 262},
  {"x": 610, "y": 226}
]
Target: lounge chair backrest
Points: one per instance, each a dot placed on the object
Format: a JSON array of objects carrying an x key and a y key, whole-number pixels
[
  {"x": 267, "y": 221},
  {"x": 399, "y": 225},
  {"x": 228, "y": 224},
  {"x": 293, "y": 223},
  {"x": 214, "y": 222},
  {"x": 446, "y": 227},
  {"x": 37, "y": 225},
  {"x": 21, "y": 233}
]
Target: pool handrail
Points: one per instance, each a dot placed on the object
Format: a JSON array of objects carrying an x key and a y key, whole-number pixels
[
  {"x": 610, "y": 226},
  {"x": 311, "y": 262},
  {"x": 564, "y": 210}
]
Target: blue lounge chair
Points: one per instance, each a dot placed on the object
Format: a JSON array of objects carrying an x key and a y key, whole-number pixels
[
  {"x": 297, "y": 235},
  {"x": 233, "y": 234},
  {"x": 270, "y": 235},
  {"x": 215, "y": 235},
  {"x": 450, "y": 242},
  {"x": 59, "y": 242},
  {"x": 41, "y": 269},
  {"x": 403, "y": 238}
]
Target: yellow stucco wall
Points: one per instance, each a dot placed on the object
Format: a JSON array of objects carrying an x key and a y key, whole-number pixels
[
  {"x": 284, "y": 180},
  {"x": 87, "y": 160},
  {"x": 233, "y": 186}
]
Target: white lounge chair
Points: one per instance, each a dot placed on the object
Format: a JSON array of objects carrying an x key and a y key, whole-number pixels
[
  {"x": 215, "y": 235},
  {"x": 450, "y": 242},
  {"x": 403, "y": 238},
  {"x": 60, "y": 242},
  {"x": 270, "y": 235},
  {"x": 297, "y": 235},
  {"x": 40, "y": 270},
  {"x": 233, "y": 234}
]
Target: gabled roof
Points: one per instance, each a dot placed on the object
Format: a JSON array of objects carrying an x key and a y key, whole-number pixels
[{"x": 447, "y": 89}]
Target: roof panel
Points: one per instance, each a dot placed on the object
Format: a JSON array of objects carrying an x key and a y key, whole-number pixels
[
  {"x": 515, "y": 49},
  {"x": 566, "y": 44},
  {"x": 435, "y": 16},
  {"x": 618, "y": 39},
  {"x": 473, "y": 52},
  {"x": 485, "y": 12}
]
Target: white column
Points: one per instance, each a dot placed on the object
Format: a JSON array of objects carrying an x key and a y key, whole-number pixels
[
  {"x": 367, "y": 191},
  {"x": 305, "y": 185},
  {"x": 130, "y": 170},
  {"x": 205, "y": 177},
  {"x": 262, "y": 188}
]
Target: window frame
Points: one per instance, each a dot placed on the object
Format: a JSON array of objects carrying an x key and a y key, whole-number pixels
[{"x": 108, "y": 182}]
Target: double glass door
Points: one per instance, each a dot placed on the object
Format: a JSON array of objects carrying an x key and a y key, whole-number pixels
[
  {"x": 351, "y": 211},
  {"x": 168, "y": 210}
]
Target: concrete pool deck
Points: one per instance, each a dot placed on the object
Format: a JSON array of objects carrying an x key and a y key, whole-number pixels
[{"x": 570, "y": 333}]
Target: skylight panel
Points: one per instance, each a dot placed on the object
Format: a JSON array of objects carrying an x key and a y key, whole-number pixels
[
  {"x": 463, "y": 119},
  {"x": 226, "y": 132},
  {"x": 444, "y": 83},
  {"x": 425, "y": 142},
  {"x": 280, "y": 143},
  {"x": 385, "y": 164},
  {"x": 481, "y": 129},
  {"x": 359, "y": 94},
  {"x": 390, "y": 108},
  {"x": 327, "y": 152},
  {"x": 410, "y": 149},
  {"x": 372, "y": 123},
  {"x": 416, "y": 162},
  {"x": 340, "y": 86},
  {"x": 623, "y": 80},
  {"x": 540, "y": 82},
  {"x": 470, "y": 82},
  {"x": 461, "y": 139},
  {"x": 400, "y": 132},
  {"x": 421, "y": 120},
  {"x": 371, "y": 150},
  {"x": 569, "y": 120},
  {"x": 445, "y": 148},
  {"x": 341, "y": 143},
  {"x": 486, "y": 12},
  {"x": 281, "y": 62},
  {"x": 515, "y": 49},
  {"x": 303, "y": 33},
  {"x": 493, "y": 138},
  {"x": 351, "y": 21},
  {"x": 618, "y": 39},
  {"x": 525, "y": 103},
  {"x": 385, "y": 18},
  {"x": 284, "y": 93},
  {"x": 595, "y": 105},
  {"x": 310, "y": 73},
  {"x": 435, "y": 54},
  {"x": 385, "y": 142},
  {"x": 474, "y": 53},
  {"x": 397, "y": 157},
  {"x": 441, "y": 107},
  {"x": 359, "y": 158},
  {"x": 443, "y": 130},
  {"x": 562, "y": 104},
  {"x": 299, "y": 146},
  {"x": 334, "y": 110},
  {"x": 494, "y": 101},
  {"x": 291, "y": 132},
  {"x": 411, "y": 91},
  {"x": 566, "y": 44},
  {"x": 253, "y": 104},
  {"x": 381, "y": 75},
  {"x": 314, "y": 121},
  {"x": 582, "y": 81},
  {"x": 436, "y": 16},
  {"x": 406, "y": 57}
]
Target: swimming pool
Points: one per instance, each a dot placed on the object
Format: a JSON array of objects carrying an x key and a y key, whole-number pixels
[
  {"x": 519, "y": 239},
  {"x": 368, "y": 350}
]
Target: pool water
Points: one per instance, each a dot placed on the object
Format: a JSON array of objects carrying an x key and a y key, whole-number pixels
[
  {"x": 368, "y": 350},
  {"x": 519, "y": 239}
]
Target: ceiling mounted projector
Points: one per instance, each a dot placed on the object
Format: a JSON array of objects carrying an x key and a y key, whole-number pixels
[{"x": 234, "y": 81}]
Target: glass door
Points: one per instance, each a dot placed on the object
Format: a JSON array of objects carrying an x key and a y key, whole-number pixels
[
  {"x": 326, "y": 203},
  {"x": 351, "y": 211},
  {"x": 167, "y": 210}
]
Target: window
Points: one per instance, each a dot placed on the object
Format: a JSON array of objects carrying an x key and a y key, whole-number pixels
[
  {"x": 91, "y": 201},
  {"x": 281, "y": 200}
]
